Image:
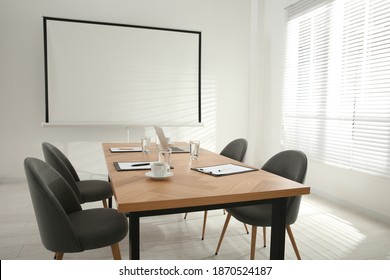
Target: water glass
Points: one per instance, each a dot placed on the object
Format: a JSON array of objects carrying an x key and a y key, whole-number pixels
[
  {"x": 165, "y": 157},
  {"x": 145, "y": 143},
  {"x": 194, "y": 149}
]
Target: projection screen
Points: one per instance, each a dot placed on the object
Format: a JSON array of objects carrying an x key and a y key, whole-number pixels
[{"x": 106, "y": 73}]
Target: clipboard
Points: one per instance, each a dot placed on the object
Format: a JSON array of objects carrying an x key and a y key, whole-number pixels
[
  {"x": 133, "y": 165},
  {"x": 128, "y": 166},
  {"x": 224, "y": 169}
]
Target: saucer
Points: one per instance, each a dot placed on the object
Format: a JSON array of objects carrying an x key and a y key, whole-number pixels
[{"x": 152, "y": 176}]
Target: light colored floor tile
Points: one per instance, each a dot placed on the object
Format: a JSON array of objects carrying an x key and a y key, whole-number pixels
[{"x": 323, "y": 231}]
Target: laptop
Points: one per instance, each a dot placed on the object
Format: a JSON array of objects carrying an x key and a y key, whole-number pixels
[{"x": 164, "y": 142}]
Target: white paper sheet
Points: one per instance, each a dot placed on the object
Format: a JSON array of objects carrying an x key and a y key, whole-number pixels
[
  {"x": 125, "y": 149},
  {"x": 224, "y": 169},
  {"x": 121, "y": 166}
]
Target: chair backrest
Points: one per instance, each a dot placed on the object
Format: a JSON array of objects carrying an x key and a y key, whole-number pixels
[
  {"x": 53, "y": 199},
  {"x": 61, "y": 163},
  {"x": 290, "y": 164},
  {"x": 235, "y": 149}
]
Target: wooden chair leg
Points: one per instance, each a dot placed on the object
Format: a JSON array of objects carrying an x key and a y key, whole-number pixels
[
  {"x": 104, "y": 203},
  {"x": 185, "y": 215},
  {"x": 204, "y": 224},
  {"x": 290, "y": 234},
  {"x": 223, "y": 232},
  {"x": 59, "y": 256},
  {"x": 253, "y": 242},
  {"x": 264, "y": 237},
  {"x": 246, "y": 229},
  {"x": 116, "y": 253}
]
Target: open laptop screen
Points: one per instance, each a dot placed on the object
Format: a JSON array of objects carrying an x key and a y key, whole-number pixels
[{"x": 164, "y": 142}]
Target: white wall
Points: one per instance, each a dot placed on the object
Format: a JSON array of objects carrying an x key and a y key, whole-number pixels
[
  {"x": 225, "y": 26},
  {"x": 365, "y": 193}
]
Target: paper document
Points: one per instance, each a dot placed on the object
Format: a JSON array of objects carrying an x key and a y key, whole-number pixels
[
  {"x": 125, "y": 149},
  {"x": 224, "y": 169}
]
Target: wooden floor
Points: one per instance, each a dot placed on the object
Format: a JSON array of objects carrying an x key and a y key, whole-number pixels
[{"x": 323, "y": 231}]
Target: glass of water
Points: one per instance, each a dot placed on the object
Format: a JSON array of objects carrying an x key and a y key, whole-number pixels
[
  {"x": 194, "y": 149},
  {"x": 165, "y": 157},
  {"x": 145, "y": 143}
]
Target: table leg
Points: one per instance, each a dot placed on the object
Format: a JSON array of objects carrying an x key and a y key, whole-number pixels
[
  {"x": 278, "y": 231},
  {"x": 134, "y": 237}
]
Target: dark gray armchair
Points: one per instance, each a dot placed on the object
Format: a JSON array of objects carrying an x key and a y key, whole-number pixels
[
  {"x": 236, "y": 150},
  {"x": 85, "y": 190},
  {"x": 63, "y": 225},
  {"x": 288, "y": 164}
]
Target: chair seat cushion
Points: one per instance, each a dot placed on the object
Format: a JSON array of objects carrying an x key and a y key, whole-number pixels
[
  {"x": 99, "y": 227},
  {"x": 94, "y": 190},
  {"x": 258, "y": 215}
]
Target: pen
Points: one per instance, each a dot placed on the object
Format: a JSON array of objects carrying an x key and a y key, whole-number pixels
[{"x": 140, "y": 164}]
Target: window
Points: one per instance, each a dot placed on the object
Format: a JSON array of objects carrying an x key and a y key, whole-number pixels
[{"x": 336, "y": 103}]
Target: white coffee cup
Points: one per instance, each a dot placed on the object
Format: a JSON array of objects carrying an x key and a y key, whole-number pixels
[{"x": 158, "y": 168}]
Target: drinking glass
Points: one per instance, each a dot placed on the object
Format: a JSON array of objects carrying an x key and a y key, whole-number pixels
[
  {"x": 194, "y": 149},
  {"x": 145, "y": 143},
  {"x": 165, "y": 157}
]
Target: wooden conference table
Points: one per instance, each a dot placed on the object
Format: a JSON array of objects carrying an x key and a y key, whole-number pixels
[{"x": 188, "y": 191}]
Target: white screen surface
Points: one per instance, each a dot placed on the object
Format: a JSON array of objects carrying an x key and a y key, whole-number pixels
[{"x": 105, "y": 73}]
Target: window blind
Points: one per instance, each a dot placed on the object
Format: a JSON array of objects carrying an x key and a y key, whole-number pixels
[{"x": 336, "y": 101}]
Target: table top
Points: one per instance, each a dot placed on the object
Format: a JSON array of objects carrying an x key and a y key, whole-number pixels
[{"x": 135, "y": 192}]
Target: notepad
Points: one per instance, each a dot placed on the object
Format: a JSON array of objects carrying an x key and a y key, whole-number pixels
[
  {"x": 224, "y": 169},
  {"x": 125, "y": 149},
  {"x": 126, "y": 166}
]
